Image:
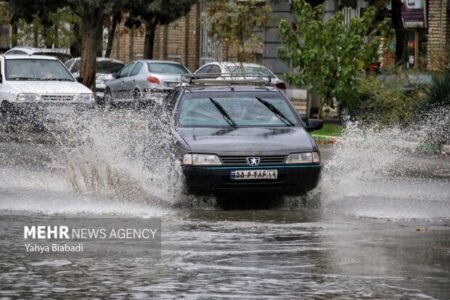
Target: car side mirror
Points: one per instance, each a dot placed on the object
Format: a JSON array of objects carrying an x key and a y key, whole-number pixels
[
  {"x": 115, "y": 74},
  {"x": 1, "y": 78},
  {"x": 80, "y": 79},
  {"x": 314, "y": 124}
]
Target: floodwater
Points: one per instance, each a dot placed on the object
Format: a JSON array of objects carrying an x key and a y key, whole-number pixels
[{"x": 378, "y": 225}]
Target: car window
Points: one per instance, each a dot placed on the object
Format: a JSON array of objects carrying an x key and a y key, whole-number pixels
[
  {"x": 204, "y": 70},
  {"x": 125, "y": 70},
  {"x": 61, "y": 56},
  {"x": 75, "y": 68},
  {"x": 236, "y": 69},
  {"x": 16, "y": 52},
  {"x": 36, "y": 69},
  {"x": 214, "y": 70},
  {"x": 198, "y": 110},
  {"x": 166, "y": 68},
  {"x": 136, "y": 69},
  {"x": 171, "y": 100},
  {"x": 108, "y": 67},
  {"x": 69, "y": 63}
]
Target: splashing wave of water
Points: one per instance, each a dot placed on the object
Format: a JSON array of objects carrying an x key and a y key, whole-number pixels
[{"x": 379, "y": 172}]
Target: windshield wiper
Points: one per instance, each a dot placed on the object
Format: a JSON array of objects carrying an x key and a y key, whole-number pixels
[
  {"x": 276, "y": 112},
  {"x": 21, "y": 78},
  {"x": 224, "y": 113},
  {"x": 55, "y": 79}
]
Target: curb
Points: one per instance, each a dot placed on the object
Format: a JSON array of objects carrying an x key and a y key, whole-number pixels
[{"x": 324, "y": 139}]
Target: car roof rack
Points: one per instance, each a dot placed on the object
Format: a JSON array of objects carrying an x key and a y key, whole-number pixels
[{"x": 226, "y": 79}]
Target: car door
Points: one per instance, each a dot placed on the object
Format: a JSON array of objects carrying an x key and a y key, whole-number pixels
[
  {"x": 117, "y": 85},
  {"x": 131, "y": 81}
]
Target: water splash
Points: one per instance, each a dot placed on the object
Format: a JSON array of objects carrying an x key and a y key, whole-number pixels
[
  {"x": 115, "y": 154},
  {"x": 381, "y": 172}
]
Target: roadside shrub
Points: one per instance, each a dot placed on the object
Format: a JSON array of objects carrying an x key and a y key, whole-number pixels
[
  {"x": 434, "y": 111},
  {"x": 384, "y": 102},
  {"x": 439, "y": 93}
]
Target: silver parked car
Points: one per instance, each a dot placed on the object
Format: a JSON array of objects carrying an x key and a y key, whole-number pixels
[
  {"x": 215, "y": 69},
  {"x": 105, "y": 68},
  {"x": 140, "y": 80}
]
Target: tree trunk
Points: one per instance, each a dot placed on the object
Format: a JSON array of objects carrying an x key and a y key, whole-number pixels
[
  {"x": 89, "y": 44},
  {"x": 111, "y": 33},
  {"x": 150, "y": 28}
]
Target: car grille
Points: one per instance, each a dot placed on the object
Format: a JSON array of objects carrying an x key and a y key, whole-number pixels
[
  {"x": 242, "y": 160},
  {"x": 57, "y": 97}
]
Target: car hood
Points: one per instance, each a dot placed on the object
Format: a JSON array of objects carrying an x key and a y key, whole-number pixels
[
  {"x": 247, "y": 140},
  {"x": 49, "y": 87}
]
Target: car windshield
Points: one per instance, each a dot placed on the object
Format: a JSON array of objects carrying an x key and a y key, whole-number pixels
[
  {"x": 237, "y": 69},
  {"x": 166, "y": 68},
  {"x": 236, "y": 110},
  {"x": 36, "y": 69}
]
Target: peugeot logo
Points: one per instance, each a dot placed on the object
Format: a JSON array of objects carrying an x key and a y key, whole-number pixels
[{"x": 253, "y": 161}]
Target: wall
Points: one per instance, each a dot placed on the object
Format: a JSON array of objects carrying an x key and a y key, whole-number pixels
[
  {"x": 438, "y": 45},
  {"x": 177, "y": 41}
]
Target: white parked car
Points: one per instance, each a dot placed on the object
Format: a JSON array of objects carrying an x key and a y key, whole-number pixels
[
  {"x": 33, "y": 84},
  {"x": 214, "y": 70},
  {"x": 105, "y": 68},
  {"x": 56, "y": 52}
]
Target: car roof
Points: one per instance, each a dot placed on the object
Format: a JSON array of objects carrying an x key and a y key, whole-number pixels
[
  {"x": 25, "y": 56},
  {"x": 230, "y": 88},
  {"x": 159, "y": 61},
  {"x": 230, "y": 63},
  {"x": 31, "y": 50},
  {"x": 101, "y": 59}
]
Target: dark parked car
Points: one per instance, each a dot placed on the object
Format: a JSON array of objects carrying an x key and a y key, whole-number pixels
[{"x": 236, "y": 137}]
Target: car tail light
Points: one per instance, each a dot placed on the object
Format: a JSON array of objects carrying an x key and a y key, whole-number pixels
[
  {"x": 281, "y": 85},
  {"x": 152, "y": 79}
]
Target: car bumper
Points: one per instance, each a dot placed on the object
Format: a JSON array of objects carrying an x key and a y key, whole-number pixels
[
  {"x": 292, "y": 179},
  {"x": 28, "y": 111}
]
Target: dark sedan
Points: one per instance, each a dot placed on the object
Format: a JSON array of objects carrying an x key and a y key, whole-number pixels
[{"x": 234, "y": 138}]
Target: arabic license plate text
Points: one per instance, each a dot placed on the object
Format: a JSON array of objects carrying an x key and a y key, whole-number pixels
[{"x": 253, "y": 174}]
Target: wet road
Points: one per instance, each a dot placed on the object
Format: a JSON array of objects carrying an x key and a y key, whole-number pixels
[{"x": 378, "y": 226}]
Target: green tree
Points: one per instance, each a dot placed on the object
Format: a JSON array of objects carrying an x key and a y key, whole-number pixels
[
  {"x": 329, "y": 56},
  {"x": 53, "y": 32},
  {"x": 154, "y": 13},
  {"x": 91, "y": 15},
  {"x": 233, "y": 23}
]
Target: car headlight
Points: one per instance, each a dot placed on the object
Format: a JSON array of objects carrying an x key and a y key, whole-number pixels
[
  {"x": 28, "y": 97},
  {"x": 201, "y": 159},
  {"x": 86, "y": 98},
  {"x": 303, "y": 158}
]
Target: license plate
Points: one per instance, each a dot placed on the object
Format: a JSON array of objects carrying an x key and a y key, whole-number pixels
[
  {"x": 60, "y": 110},
  {"x": 253, "y": 174},
  {"x": 171, "y": 84}
]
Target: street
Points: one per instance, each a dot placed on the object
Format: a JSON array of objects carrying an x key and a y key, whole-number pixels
[{"x": 378, "y": 225}]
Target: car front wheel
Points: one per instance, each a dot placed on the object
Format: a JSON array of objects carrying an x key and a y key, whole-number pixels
[{"x": 107, "y": 100}]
